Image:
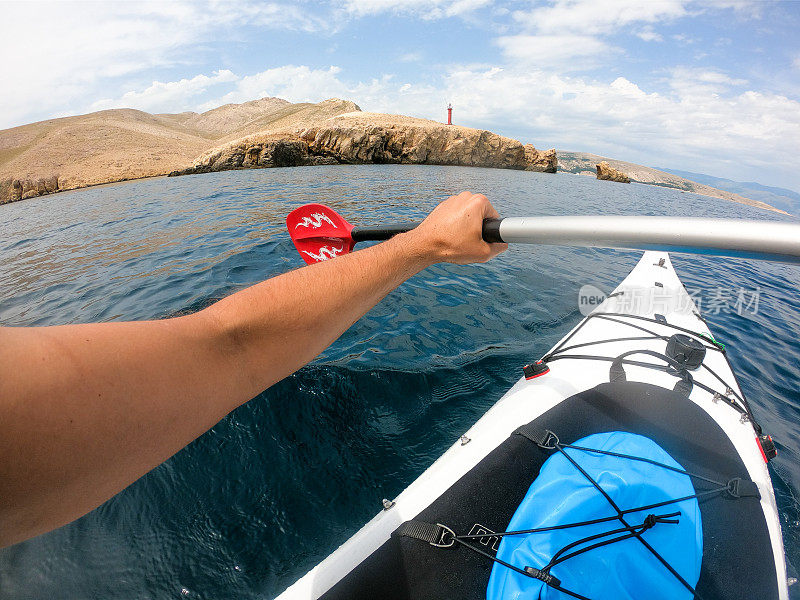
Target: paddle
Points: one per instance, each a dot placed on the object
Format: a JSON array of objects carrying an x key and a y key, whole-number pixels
[{"x": 319, "y": 233}]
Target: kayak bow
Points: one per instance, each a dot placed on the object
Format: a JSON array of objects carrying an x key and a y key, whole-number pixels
[{"x": 643, "y": 362}]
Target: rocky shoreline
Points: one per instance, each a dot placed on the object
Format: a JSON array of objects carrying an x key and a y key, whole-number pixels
[
  {"x": 376, "y": 144},
  {"x": 12, "y": 190}
]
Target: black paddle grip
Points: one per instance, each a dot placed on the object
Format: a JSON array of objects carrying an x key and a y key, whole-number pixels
[
  {"x": 381, "y": 232},
  {"x": 491, "y": 231}
]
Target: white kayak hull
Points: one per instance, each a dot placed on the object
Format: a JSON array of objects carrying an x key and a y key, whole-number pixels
[{"x": 529, "y": 399}]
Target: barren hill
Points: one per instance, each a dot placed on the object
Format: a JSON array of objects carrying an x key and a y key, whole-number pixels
[
  {"x": 224, "y": 119},
  {"x": 120, "y": 144}
]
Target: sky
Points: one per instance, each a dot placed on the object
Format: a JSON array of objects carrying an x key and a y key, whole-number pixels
[{"x": 708, "y": 86}]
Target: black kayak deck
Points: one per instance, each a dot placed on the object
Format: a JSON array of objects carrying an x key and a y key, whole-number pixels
[{"x": 738, "y": 563}]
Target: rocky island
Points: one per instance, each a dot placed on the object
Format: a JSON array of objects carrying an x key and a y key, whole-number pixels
[{"x": 608, "y": 173}]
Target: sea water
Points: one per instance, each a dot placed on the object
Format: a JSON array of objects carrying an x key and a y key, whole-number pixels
[{"x": 281, "y": 482}]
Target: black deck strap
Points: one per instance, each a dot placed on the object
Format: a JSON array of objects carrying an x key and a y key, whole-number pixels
[
  {"x": 743, "y": 488},
  {"x": 544, "y": 438},
  {"x": 433, "y": 533},
  {"x": 616, "y": 372},
  {"x": 683, "y": 387}
]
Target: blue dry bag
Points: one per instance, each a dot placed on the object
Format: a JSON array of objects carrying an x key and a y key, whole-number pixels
[{"x": 622, "y": 570}]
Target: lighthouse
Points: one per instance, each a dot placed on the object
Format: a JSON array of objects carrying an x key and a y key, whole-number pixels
[{"x": 449, "y": 114}]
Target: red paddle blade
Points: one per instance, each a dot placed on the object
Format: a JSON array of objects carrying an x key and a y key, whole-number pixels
[{"x": 319, "y": 233}]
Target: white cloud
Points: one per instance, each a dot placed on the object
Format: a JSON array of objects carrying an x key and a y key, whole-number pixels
[
  {"x": 745, "y": 8},
  {"x": 796, "y": 63},
  {"x": 425, "y": 9},
  {"x": 597, "y": 17},
  {"x": 564, "y": 30},
  {"x": 694, "y": 82},
  {"x": 649, "y": 35},
  {"x": 718, "y": 77},
  {"x": 683, "y": 39},
  {"x": 62, "y": 53},
  {"x": 173, "y": 96},
  {"x": 67, "y": 54},
  {"x": 410, "y": 57},
  {"x": 577, "y": 52},
  {"x": 293, "y": 83}
]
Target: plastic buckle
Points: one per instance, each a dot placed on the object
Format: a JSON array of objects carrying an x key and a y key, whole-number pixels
[
  {"x": 441, "y": 542},
  {"x": 550, "y": 442},
  {"x": 743, "y": 488},
  {"x": 733, "y": 487},
  {"x": 542, "y": 575}
]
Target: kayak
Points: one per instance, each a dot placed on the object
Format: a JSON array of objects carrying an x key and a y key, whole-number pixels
[{"x": 641, "y": 376}]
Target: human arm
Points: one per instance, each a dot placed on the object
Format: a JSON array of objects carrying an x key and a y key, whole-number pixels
[{"x": 85, "y": 410}]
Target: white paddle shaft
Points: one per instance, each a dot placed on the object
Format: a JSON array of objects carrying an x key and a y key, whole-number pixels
[{"x": 765, "y": 240}]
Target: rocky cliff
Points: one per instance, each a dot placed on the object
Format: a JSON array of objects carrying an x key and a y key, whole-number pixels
[
  {"x": 608, "y": 173},
  {"x": 364, "y": 138},
  {"x": 12, "y": 190}
]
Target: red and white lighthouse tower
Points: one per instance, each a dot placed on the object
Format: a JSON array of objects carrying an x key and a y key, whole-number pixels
[{"x": 449, "y": 114}]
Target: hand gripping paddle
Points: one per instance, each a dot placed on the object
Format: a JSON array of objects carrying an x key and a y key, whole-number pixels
[{"x": 319, "y": 233}]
